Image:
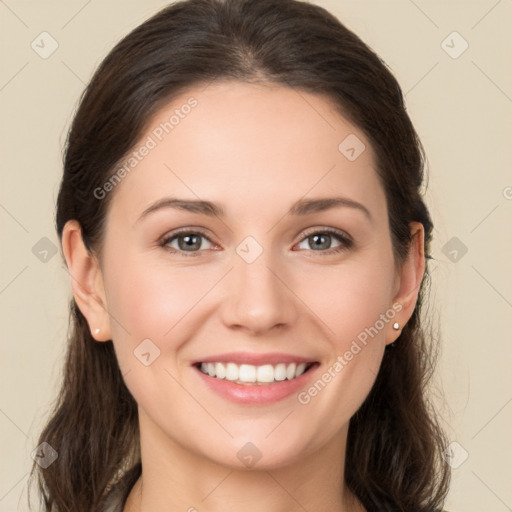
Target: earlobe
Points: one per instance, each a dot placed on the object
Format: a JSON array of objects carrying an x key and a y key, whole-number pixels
[
  {"x": 86, "y": 281},
  {"x": 409, "y": 281}
]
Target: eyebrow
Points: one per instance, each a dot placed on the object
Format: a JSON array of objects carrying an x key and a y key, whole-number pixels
[{"x": 299, "y": 208}]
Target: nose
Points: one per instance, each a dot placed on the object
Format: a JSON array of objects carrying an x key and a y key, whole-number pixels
[{"x": 259, "y": 298}]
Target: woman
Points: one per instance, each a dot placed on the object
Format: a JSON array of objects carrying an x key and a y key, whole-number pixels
[{"x": 241, "y": 217}]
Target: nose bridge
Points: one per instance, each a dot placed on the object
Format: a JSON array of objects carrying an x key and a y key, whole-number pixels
[{"x": 258, "y": 300}]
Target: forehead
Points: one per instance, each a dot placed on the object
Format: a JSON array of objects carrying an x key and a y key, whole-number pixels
[{"x": 247, "y": 143}]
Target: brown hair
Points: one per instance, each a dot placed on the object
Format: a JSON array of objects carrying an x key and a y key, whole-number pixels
[{"x": 394, "y": 460}]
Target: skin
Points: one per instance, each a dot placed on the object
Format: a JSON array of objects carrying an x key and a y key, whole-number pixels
[{"x": 254, "y": 150}]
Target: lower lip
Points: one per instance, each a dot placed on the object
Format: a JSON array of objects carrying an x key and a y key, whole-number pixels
[{"x": 256, "y": 394}]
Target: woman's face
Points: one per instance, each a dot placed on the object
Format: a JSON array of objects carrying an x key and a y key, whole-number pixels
[{"x": 284, "y": 256}]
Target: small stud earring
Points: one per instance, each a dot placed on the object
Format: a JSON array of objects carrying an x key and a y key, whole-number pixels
[
  {"x": 396, "y": 326},
  {"x": 96, "y": 331}
]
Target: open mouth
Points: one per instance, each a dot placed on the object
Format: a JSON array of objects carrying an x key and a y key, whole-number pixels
[{"x": 249, "y": 374}]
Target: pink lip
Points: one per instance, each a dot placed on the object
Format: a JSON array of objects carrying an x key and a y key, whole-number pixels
[
  {"x": 254, "y": 394},
  {"x": 254, "y": 359}
]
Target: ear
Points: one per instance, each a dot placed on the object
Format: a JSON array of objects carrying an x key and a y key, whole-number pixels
[
  {"x": 408, "y": 281},
  {"x": 86, "y": 281}
]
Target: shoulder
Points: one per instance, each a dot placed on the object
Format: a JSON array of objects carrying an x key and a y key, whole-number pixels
[{"x": 118, "y": 494}]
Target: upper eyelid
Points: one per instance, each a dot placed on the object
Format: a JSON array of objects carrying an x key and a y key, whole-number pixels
[
  {"x": 184, "y": 231},
  {"x": 331, "y": 231}
]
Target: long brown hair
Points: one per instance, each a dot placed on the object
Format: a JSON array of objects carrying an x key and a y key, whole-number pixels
[{"x": 394, "y": 460}]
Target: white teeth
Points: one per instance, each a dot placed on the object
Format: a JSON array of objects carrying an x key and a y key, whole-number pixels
[
  {"x": 248, "y": 373},
  {"x": 265, "y": 373},
  {"x": 280, "y": 372},
  {"x": 232, "y": 371},
  {"x": 301, "y": 368},
  {"x": 220, "y": 370},
  {"x": 290, "y": 371}
]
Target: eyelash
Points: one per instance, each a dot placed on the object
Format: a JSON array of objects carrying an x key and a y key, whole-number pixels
[{"x": 345, "y": 242}]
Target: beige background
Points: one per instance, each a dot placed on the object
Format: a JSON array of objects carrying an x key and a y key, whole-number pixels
[{"x": 461, "y": 108}]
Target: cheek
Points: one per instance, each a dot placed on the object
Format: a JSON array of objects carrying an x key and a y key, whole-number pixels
[
  {"x": 349, "y": 299},
  {"x": 350, "y": 304},
  {"x": 148, "y": 301},
  {"x": 156, "y": 303}
]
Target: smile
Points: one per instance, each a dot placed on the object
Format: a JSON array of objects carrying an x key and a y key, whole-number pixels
[
  {"x": 255, "y": 379},
  {"x": 251, "y": 374}
]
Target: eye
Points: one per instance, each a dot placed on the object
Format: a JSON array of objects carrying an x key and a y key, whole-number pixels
[
  {"x": 192, "y": 242},
  {"x": 187, "y": 241},
  {"x": 322, "y": 241}
]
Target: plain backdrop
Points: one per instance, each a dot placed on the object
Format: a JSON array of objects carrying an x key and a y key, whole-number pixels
[{"x": 452, "y": 59}]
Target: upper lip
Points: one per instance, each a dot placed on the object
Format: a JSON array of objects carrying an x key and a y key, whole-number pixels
[{"x": 254, "y": 358}]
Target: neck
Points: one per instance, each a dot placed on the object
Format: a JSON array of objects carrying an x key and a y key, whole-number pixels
[{"x": 179, "y": 479}]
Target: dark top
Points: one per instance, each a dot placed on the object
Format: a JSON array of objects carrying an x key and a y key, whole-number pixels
[{"x": 116, "y": 498}]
